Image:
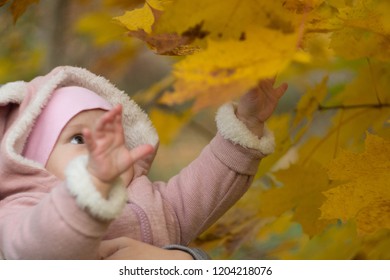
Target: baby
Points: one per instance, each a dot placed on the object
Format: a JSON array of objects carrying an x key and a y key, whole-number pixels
[{"x": 74, "y": 158}]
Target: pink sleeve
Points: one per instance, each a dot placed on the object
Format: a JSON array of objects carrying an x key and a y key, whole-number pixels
[
  {"x": 48, "y": 226},
  {"x": 210, "y": 185}
]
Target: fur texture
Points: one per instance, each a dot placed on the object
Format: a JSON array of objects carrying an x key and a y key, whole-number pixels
[
  {"x": 231, "y": 128},
  {"x": 88, "y": 197}
]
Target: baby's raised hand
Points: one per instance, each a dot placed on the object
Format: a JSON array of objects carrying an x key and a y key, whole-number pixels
[
  {"x": 109, "y": 157},
  {"x": 256, "y": 106}
]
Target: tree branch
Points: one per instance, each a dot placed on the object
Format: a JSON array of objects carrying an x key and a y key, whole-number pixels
[{"x": 355, "y": 106}]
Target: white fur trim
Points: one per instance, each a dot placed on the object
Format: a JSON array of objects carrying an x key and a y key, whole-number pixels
[
  {"x": 231, "y": 128},
  {"x": 13, "y": 92},
  {"x": 80, "y": 185}
]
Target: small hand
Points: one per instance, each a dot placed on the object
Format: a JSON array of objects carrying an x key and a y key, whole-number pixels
[
  {"x": 108, "y": 155},
  {"x": 256, "y": 106},
  {"x": 124, "y": 248}
]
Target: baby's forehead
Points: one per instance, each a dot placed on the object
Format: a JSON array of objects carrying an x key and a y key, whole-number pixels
[{"x": 86, "y": 118}]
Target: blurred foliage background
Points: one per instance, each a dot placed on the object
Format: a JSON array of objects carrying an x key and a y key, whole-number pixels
[{"x": 325, "y": 192}]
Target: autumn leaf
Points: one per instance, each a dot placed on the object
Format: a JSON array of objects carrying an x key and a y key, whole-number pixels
[
  {"x": 310, "y": 101},
  {"x": 363, "y": 27},
  {"x": 364, "y": 190},
  {"x": 283, "y": 154},
  {"x": 364, "y": 30},
  {"x": 140, "y": 23},
  {"x": 376, "y": 246},
  {"x": 269, "y": 239},
  {"x": 338, "y": 242},
  {"x": 168, "y": 124},
  {"x": 100, "y": 27},
  {"x": 227, "y": 69},
  {"x": 229, "y": 47},
  {"x": 139, "y": 19},
  {"x": 276, "y": 238},
  {"x": 227, "y": 20},
  {"x": 368, "y": 87},
  {"x": 301, "y": 191}
]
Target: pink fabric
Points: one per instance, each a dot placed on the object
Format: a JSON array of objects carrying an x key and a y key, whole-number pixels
[{"x": 55, "y": 115}]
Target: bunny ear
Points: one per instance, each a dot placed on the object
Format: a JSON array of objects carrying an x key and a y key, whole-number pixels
[{"x": 13, "y": 92}]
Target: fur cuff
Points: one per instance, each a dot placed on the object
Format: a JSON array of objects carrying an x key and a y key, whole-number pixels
[
  {"x": 231, "y": 128},
  {"x": 87, "y": 197}
]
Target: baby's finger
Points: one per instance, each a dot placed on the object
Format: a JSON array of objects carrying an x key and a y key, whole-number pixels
[
  {"x": 118, "y": 120},
  {"x": 141, "y": 152},
  {"x": 279, "y": 91},
  {"x": 108, "y": 247},
  {"x": 108, "y": 118},
  {"x": 88, "y": 139}
]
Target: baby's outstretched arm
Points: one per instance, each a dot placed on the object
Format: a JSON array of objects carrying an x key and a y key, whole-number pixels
[
  {"x": 256, "y": 106},
  {"x": 109, "y": 157}
]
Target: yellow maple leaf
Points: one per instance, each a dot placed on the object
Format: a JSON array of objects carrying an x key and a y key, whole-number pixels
[
  {"x": 356, "y": 30},
  {"x": 228, "y": 20},
  {"x": 138, "y": 19},
  {"x": 99, "y": 26},
  {"x": 370, "y": 86},
  {"x": 302, "y": 192},
  {"x": 232, "y": 45},
  {"x": 227, "y": 69},
  {"x": 376, "y": 246},
  {"x": 168, "y": 125},
  {"x": 141, "y": 24},
  {"x": 363, "y": 30},
  {"x": 310, "y": 101},
  {"x": 364, "y": 194},
  {"x": 317, "y": 45},
  {"x": 338, "y": 242},
  {"x": 280, "y": 125}
]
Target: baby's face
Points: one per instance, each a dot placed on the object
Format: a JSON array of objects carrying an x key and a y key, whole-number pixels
[{"x": 70, "y": 144}]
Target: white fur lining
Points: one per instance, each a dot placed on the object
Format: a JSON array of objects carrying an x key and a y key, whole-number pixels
[
  {"x": 80, "y": 185},
  {"x": 231, "y": 128},
  {"x": 12, "y": 92}
]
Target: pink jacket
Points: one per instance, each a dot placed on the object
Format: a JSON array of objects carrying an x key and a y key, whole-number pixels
[{"x": 42, "y": 217}]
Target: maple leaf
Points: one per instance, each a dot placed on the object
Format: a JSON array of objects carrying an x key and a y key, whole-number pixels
[
  {"x": 376, "y": 246},
  {"x": 98, "y": 26},
  {"x": 276, "y": 238},
  {"x": 227, "y": 69},
  {"x": 167, "y": 124},
  {"x": 356, "y": 31},
  {"x": 338, "y": 242},
  {"x": 301, "y": 192},
  {"x": 139, "y": 19},
  {"x": 364, "y": 192},
  {"x": 140, "y": 23},
  {"x": 227, "y": 20},
  {"x": 229, "y": 47},
  {"x": 280, "y": 125},
  {"x": 310, "y": 101}
]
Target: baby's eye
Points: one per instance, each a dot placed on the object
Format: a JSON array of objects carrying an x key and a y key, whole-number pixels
[{"x": 77, "y": 139}]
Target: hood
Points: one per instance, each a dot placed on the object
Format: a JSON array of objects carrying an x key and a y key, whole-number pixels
[{"x": 22, "y": 102}]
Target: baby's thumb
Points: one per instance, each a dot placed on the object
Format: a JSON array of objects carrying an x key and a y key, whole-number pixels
[{"x": 141, "y": 152}]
